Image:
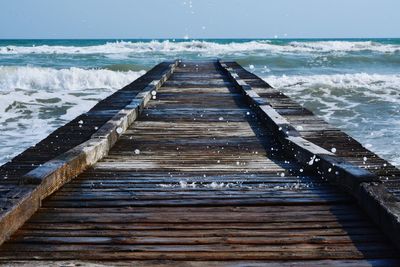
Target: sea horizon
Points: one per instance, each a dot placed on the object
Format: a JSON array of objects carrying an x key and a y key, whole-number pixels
[{"x": 187, "y": 39}]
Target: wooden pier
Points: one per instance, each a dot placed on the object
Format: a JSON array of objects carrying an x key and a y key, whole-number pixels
[{"x": 199, "y": 164}]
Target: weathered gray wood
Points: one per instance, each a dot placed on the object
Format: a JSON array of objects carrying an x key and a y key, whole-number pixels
[
  {"x": 341, "y": 172},
  {"x": 198, "y": 176},
  {"x": 382, "y": 206},
  {"x": 253, "y": 263},
  {"x": 50, "y": 176}
]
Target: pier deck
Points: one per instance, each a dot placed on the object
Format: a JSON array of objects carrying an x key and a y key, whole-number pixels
[{"x": 217, "y": 169}]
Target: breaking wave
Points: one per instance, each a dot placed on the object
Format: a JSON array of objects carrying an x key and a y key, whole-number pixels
[
  {"x": 367, "y": 106},
  {"x": 63, "y": 79},
  {"x": 35, "y": 101},
  {"x": 207, "y": 47},
  {"x": 373, "y": 82}
]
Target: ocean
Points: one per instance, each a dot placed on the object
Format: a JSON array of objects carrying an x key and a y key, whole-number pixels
[{"x": 353, "y": 84}]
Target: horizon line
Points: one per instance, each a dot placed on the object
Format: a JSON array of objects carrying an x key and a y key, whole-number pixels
[{"x": 202, "y": 38}]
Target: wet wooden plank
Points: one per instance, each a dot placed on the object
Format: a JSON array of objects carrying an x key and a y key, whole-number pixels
[
  {"x": 39, "y": 181},
  {"x": 199, "y": 177},
  {"x": 372, "y": 180},
  {"x": 182, "y": 263}
]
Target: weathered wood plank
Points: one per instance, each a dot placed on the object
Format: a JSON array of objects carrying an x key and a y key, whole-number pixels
[
  {"x": 46, "y": 178},
  {"x": 364, "y": 180},
  {"x": 197, "y": 263},
  {"x": 200, "y": 177}
]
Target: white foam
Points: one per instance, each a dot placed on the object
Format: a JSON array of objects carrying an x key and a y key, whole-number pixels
[
  {"x": 345, "y": 93},
  {"x": 118, "y": 49},
  {"x": 347, "y": 81},
  {"x": 367, "y": 106},
  {"x": 345, "y": 46},
  {"x": 37, "y": 78},
  {"x": 35, "y": 101}
]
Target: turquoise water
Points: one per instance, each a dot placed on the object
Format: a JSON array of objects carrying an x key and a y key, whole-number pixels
[{"x": 352, "y": 83}]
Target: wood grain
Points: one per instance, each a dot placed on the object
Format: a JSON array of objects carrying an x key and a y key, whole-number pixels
[{"x": 200, "y": 180}]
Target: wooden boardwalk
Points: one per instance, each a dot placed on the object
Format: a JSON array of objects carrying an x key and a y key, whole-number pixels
[{"x": 202, "y": 178}]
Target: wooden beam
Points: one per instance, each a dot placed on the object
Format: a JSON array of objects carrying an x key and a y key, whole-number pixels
[{"x": 50, "y": 176}]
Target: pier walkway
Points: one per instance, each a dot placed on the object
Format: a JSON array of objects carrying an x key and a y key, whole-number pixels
[{"x": 199, "y": 164}]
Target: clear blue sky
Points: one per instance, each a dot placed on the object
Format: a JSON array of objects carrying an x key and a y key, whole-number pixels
[{"x": 198, "y": 18}]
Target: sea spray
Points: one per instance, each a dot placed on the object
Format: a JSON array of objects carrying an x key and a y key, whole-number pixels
[
  {"x": 208, "y": 47},
  {"x": 35, "y": 101}
]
